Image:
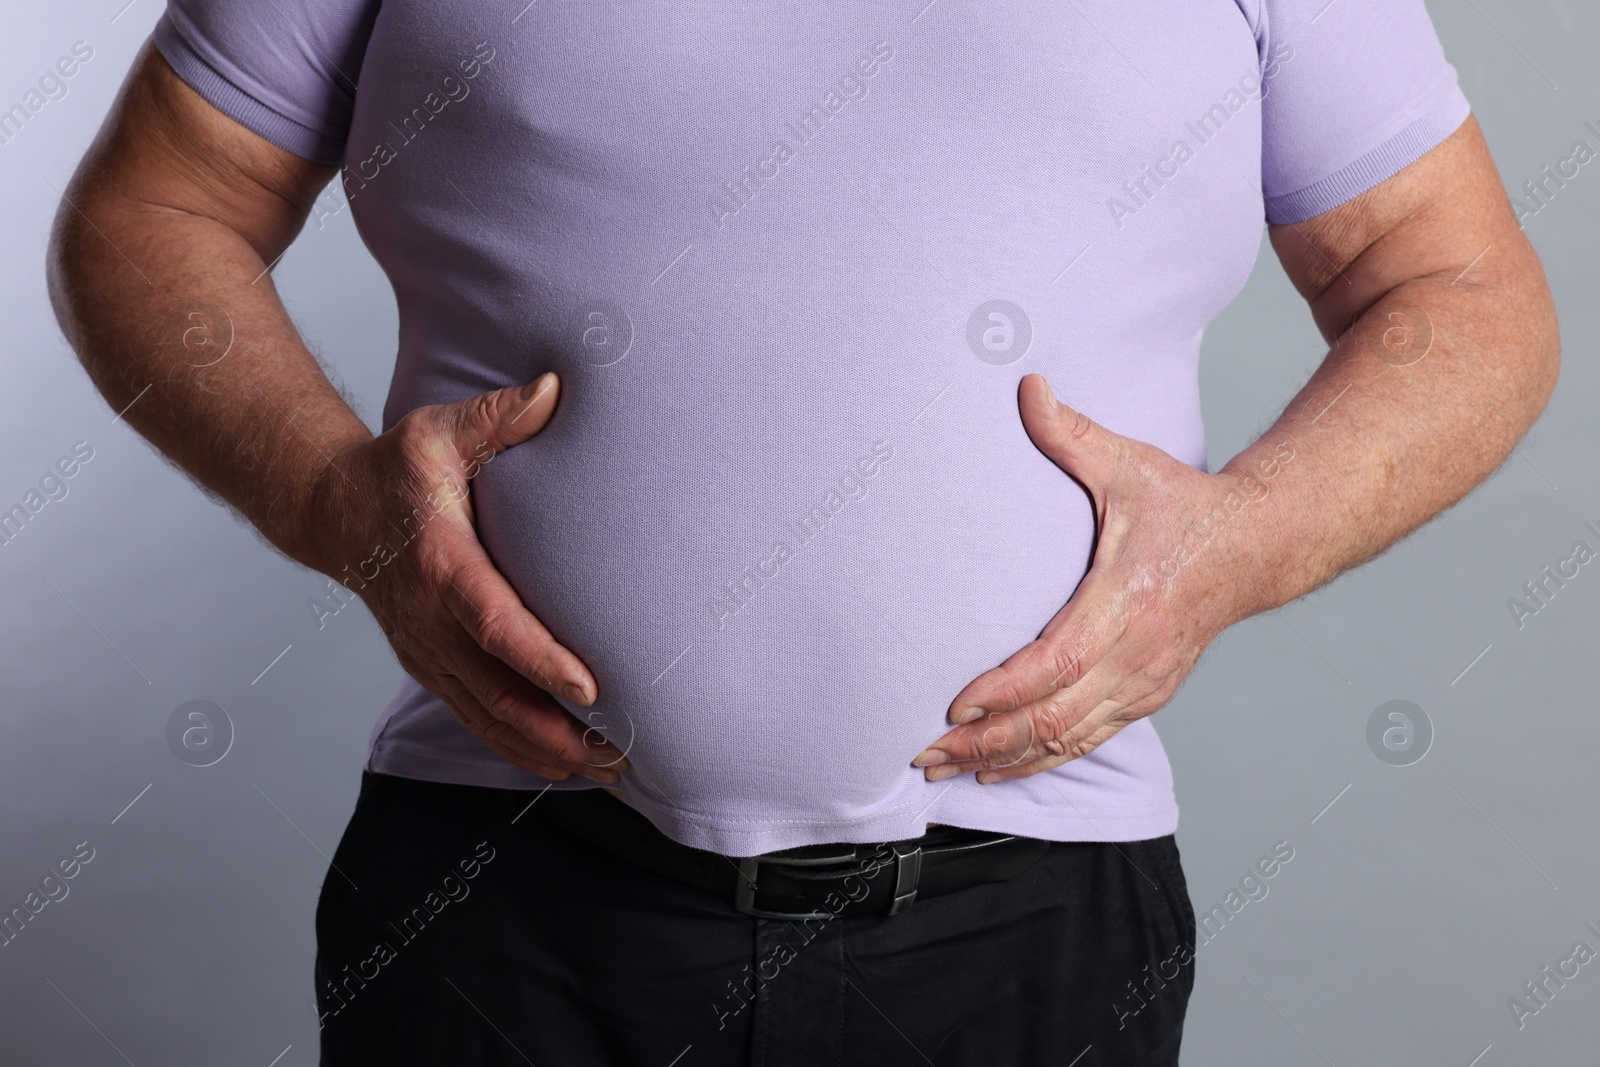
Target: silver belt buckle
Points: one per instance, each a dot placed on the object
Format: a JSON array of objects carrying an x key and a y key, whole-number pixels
[
  {"x": 744, "y": 895},
  {"x": 907, "y": 864}
]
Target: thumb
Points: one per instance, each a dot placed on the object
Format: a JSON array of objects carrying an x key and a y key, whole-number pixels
[
  {"x": 1070, "y": 439},
  {"x": 501, "y": 418}
]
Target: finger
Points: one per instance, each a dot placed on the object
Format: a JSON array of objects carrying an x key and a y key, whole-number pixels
[
  {"x": 1007, "y": 738},
  {"x": 529, "y": 712},
  {"x": 1092, "y": 454},
  {"x": 518, "y": 715},
  {"x": 518, "y": 757},
  {"x": 1077, "y": 637},
  {"x": 1074, "y": 750},
  {"x": 504, "y": 740},
  {"x": 479, "y": 721},
  {"x": 1066, "y": 746},
  {"x": 494, "y": 616},
  {"x": 500, "y": 418},
  {"x": 474, "y": 717}
]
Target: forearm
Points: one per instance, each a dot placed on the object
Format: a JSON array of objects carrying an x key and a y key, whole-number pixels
[
  {"x": 1415, "y": 405},
  {"x": 178, "y": 324}
]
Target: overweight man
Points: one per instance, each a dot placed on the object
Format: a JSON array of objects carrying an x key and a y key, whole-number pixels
[{"x": 791, "y": 501}]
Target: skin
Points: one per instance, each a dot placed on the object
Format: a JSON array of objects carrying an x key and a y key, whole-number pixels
[{"x": 159, "y": 274}]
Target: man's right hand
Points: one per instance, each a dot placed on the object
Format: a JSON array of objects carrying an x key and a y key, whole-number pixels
[
  {"x": 170, "y": 228},
  {"x": 393, "y": 518}
]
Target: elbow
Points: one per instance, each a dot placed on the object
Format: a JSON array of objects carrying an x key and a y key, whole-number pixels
[
  {"x": 1529, "y": 338},
  {"x": 1545, "y": 355},
  {"x": 62, "y": 261},
  {"x": 82, "y": 257},
  {"x": 56, "y": 273}
]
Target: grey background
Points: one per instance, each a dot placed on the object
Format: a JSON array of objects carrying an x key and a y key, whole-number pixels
[{"x": 1414, "y": 907}]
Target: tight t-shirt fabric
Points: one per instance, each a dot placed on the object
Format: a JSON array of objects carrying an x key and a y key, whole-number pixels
[{"x": 790, "y": 262}]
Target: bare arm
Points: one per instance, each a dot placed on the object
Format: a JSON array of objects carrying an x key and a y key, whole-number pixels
[
  {"x": 157, "y": 265},
  {"x": 158, "y": 271},
  {"x": 1444, "y": 349}
]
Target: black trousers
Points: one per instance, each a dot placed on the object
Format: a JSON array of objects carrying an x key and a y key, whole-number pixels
[{"x": 457, "y": 928}]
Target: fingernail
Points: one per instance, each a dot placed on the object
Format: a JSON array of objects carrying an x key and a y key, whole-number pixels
[
  {"x": 533, "y": 388},
  {"x": 928, "y": 757},
  {"x": 603, "y": 777},
  {"x": 608, "y": 758},
  {"x": 939, "y": 774},
  {"x": 575, "y": 693},
  {"x": 988, "y": 777},
  {"x": 966, "y": 715},
  {"x": 1061, "y": 406}
]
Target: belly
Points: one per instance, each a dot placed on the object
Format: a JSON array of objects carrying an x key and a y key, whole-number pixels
[{"x": 777, "y": 595}]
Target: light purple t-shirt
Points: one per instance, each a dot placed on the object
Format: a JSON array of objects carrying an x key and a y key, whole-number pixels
[{"x": 790, "y": 261}]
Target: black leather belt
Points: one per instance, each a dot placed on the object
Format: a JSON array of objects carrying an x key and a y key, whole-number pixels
[{"x": 808, "y": 882}]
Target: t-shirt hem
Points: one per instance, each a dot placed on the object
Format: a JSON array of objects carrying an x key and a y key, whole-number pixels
[
  {"x": 1379, "y": 164},
  {"x": 1082, "y": 822},
  {"x": 197, "y": 72}
]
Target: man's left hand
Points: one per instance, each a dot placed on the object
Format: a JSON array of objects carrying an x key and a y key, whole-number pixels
[{"x": 1168, "y": 575}]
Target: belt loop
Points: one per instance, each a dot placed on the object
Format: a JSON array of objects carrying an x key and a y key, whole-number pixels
[{"x": 907, "y": 867}]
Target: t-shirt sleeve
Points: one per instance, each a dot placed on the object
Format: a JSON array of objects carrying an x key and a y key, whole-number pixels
[
  {"x": 285, "y": 69},
  {"x": 1356, "y": 90}
]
